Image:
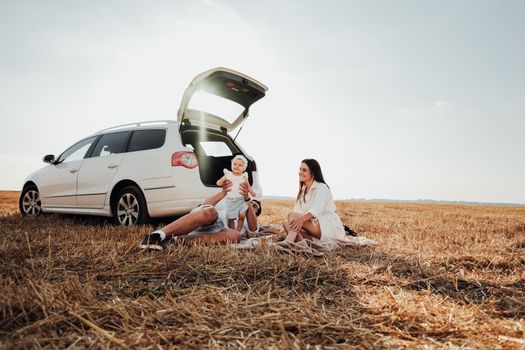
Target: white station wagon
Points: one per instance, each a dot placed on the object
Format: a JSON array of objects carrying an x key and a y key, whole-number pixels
[{"x": 145, "y": 170}]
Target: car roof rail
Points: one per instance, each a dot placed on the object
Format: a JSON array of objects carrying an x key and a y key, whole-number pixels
[{"x": 151, "y": 122}]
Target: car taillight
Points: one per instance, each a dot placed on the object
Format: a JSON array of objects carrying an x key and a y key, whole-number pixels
[{"x": 185, "y": 159}]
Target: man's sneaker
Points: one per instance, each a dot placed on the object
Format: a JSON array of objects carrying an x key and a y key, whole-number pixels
[
  {"x": 349, "y": 231},
  {"x": 152, "y": 241}
]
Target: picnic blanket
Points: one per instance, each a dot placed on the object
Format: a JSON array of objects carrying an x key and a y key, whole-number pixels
[{"x": 314, "y": 248}]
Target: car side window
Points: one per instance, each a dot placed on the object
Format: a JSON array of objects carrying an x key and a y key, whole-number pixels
[
  {"x": 142, "y": 140},
  {"x": 77, "y": 151},
  {"x": 109, "y": 144}
]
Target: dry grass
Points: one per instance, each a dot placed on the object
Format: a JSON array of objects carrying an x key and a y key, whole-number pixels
[{"x": 443, "y": 276}]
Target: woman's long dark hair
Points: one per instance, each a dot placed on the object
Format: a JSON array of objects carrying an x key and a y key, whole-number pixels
[{"x": 315, "y": 169}]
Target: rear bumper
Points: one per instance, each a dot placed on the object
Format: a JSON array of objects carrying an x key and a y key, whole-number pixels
[
  {"x": 177, "y": 195},
  {"x": 172, "y": 208},
  {"x": 176, "y": 199}
]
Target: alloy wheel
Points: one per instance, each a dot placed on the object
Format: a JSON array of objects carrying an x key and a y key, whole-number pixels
[
  {"x": 31, "y": 204},
  {"x": 128, "y": 210}
]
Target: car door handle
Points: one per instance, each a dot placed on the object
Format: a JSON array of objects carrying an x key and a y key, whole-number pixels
[
  {"x": 72, "y": 171},
  {"x": 112, "y": 166}
]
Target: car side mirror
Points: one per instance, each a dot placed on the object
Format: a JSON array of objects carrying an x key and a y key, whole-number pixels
[{"x": 50, "y": 158}]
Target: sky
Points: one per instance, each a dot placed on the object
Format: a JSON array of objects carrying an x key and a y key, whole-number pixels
[{"x": 395, "y": 99}]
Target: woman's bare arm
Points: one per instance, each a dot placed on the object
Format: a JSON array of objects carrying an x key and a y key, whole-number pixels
[{"x": 296, "y": 224}]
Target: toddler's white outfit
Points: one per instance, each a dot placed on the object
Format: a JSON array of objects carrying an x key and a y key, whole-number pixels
[{"x": 235, "y": 203}]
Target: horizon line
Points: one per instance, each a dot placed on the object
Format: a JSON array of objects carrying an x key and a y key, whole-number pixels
[{"x": 417, "y": 201}]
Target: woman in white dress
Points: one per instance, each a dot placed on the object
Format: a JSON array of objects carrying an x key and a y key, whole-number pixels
[{"x": 314, "y": 217}]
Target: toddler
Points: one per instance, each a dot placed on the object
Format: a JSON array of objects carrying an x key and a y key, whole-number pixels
[{"x": 235, "y": 203}]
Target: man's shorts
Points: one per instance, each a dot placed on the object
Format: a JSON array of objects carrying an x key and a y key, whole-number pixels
[
  {"x": 235, "y": 206},
  {"x": 215, "y": 227}
]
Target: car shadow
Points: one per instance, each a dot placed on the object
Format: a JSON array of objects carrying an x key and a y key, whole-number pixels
[{"x": 99, "y": 221}]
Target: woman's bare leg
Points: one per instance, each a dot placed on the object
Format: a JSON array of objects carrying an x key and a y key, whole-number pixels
[
  {"x": 292, "y": 235},
  {"x": 309, "y": 230}
]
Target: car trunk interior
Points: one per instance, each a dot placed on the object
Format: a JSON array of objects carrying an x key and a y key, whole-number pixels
[{"x": 214, "y": 151}]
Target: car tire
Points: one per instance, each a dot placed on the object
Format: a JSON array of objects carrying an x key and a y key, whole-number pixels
[
  {"x": 29, "y": 202},
  {"x": 129, "y": 207}
]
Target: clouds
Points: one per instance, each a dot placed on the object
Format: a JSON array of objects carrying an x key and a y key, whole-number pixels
[
  {"x": 209, "y": 2},
  {"x": 440, "y": 104}
]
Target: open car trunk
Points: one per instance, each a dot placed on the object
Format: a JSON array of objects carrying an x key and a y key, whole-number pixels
[
  {"x": 205, "y": 127},
  {"x": 225, "y": 85},
  {"x": 214, "y": 150}
]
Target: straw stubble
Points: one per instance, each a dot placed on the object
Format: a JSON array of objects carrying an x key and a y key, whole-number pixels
[{"x": 442, "y": 276}]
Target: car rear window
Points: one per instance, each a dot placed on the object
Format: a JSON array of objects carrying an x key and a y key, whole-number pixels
[
  {"x": 146, "y": 139},
  {"x": 216, "y": 148},
  {"x": 209, "y": 144}
]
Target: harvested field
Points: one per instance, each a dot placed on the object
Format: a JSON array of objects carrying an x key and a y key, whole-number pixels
[{"x": 443, "y": 276}]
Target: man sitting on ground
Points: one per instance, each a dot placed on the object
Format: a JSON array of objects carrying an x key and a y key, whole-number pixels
[{"x": 203, "y": 223}]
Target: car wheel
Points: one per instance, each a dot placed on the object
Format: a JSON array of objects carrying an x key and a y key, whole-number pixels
[
  {"x": 130, "y": 207},
  {"x": 29, "y": 202}
]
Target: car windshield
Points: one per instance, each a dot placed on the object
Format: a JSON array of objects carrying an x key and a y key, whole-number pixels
[
  {"x": 77, "y": 151},
  {"x": 216, "y": 105}
]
